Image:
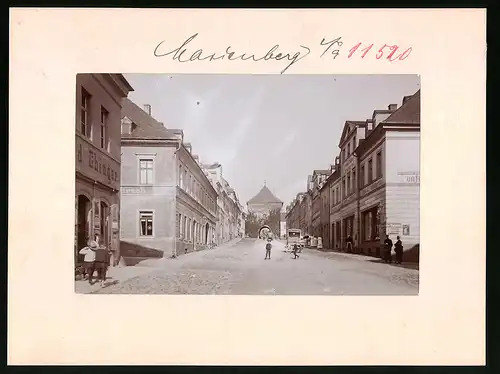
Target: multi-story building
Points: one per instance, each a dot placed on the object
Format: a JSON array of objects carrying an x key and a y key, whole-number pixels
[
  {"x": 168, "y": 203},
  {"x": 230, "y": 217},
  {"x": 97, "y": 144},
  {"x": 375, "y": 184}
]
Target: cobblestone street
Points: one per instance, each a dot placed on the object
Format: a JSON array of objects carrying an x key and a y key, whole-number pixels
[{"x": 240, "y": 269}]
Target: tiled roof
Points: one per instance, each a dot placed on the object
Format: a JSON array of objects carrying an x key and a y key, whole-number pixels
[
  {"x": 146, "y": 126},
  {"x": 408, "y": 113},
  {"x": 264, "y": 196}
]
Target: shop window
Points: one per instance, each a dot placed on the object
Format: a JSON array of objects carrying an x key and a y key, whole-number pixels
[
  {"x": 146, "y": 171},
  {"x": 146, "y": 223}
]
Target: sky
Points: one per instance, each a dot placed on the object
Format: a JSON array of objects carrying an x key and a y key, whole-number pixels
[{"x": 272, "y": 129}]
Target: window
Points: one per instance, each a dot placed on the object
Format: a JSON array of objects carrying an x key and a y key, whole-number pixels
[
  {"x": 343, "y": 188},
  {"x": 184, "y": 227},
  {"x": 180, "y": 179},
  {"x": 145, "y": 171},
  {"x": 146, "y": 223},
  {"x": 178, "y": 225},
  {"x": 188, "y": 187},
  {"x": 343, "y": 154},
  {"x": 354, "y": 181},
  {"x": 354, "y": 143},
  {"x": 104, "y": 131},
  {"x": 349, "y": 183},
  {"x": 370, "y": 171},
  {"x": 184, "y": 187},
  {"x": 362, "y": 176},
  {"x": 379, "y": 164},
  {"x": 348, "y": 149},
  {"x": 84, "y": 113}
]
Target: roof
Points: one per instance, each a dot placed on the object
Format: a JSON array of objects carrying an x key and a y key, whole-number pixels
[
  {"x": 321, "y": 172},
  {"x": 264, "y": 196},
  {"x": 408, "y": 112},
  {"x": 146, "y": 126},
  {"x": 347, "y": 126}
]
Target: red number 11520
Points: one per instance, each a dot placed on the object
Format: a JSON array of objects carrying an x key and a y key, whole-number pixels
[{"x": 390, "y": 49}]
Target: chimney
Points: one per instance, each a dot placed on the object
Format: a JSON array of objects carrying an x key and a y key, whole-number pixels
[
  {"x": 188, "y": 147},
  {"x": 147, "y": 108},
  {"x": 405, "y": 99},
  {"x": 393, "y": 107}
]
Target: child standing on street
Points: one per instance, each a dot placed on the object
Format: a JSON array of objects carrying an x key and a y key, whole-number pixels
[
  {"x": 102, "y": 260},
  {"x": 89, "y": 259},
  {"x": 294, "y": 251},
  {"x": 268, "y": 249}
]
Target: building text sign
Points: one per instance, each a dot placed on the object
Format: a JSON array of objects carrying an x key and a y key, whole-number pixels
[
  {"x": 96, "y": 164},
  {"x": 410, "y": 177}
]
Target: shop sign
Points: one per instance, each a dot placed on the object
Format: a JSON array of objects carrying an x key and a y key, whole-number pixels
[
  {"x": 96, "y": 164},
  {"x": 393, "y": 229},
  {"x": 410, "y": 177},
  {"x": 135, "y": 190}
]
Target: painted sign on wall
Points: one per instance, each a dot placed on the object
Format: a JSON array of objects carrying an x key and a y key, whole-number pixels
[
  {"x": 410, "y": 177},
  {"x": 96, "y": 164},
  {"x": 393, "y": 229}
]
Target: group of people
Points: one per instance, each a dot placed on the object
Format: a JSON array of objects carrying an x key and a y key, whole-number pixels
[
  {"x": 96, "y": 258},
  {"x": 398, "y": 249}
]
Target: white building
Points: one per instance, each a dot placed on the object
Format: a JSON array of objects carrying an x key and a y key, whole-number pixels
[{"x": 378, "y": 189}]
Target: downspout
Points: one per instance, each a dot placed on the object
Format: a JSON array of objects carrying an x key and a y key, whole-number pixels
[{"x": 174, "y": 249}]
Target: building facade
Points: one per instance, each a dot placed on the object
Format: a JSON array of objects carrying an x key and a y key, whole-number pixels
[
  {"x": 375, "y": 182},
  {"x": 168, "y": 204},
  {"x": 230, "y": 216},
  {"x": 97, "y": 143}
]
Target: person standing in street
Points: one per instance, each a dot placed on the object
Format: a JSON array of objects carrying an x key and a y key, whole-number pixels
[
  {"x": 349, "y": 244},
  {"x": 102, "y": 257},
  {"x": 89, "y": 260},
  {"x": 388, "y": 249},
  {"x": 268, "y": 249},
  {"x": 398, "y": 248},
  {"x": 294, "y": 251}
]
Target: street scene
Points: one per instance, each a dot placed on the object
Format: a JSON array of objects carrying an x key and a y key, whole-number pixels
[
  {"x": 238, "y": 269},
  {"x": 247, "y": 185}
]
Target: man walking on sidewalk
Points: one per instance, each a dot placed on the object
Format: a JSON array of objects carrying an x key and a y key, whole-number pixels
[
  {"x": 398, "y": 248},
  {"x": 268, "y": 249},
  {"x": 388, "y": 249}
]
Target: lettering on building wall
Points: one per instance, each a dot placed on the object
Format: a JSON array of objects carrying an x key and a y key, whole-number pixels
[
  {"x": 393, "y": 228},
  {"x": 410, "y": 177},
  {"x": 97, "y": 164},
  {"x": 134, "y": 190}
]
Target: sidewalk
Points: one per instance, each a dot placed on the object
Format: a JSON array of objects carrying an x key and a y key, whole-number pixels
[
  {"x": 363, "y": 257},
  {"x": 115, "y": 275}
]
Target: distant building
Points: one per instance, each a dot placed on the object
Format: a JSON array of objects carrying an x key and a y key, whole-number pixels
[
  {"x": 264, "y": 202},
  {"x": 167, "y": 202},
  {"x": 97, "y": 141}
]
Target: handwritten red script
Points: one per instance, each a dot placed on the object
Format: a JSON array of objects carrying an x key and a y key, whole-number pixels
[{"x": 389, "y": 52}]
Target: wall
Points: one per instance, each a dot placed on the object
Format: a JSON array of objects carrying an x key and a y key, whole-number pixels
[
  {"x": 159, "y": 197},
  {"x": 403, "y": 185}
]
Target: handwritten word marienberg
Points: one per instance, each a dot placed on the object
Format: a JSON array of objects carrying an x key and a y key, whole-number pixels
[{"x": 272, "y": 54}]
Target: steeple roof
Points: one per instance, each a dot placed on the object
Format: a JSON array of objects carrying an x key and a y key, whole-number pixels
[{"x": 264, "y": 196}]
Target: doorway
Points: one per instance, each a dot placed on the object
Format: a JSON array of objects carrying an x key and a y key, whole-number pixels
[
  {"x": 83, "y": 225},
  {"x": 104, "y": 237},
  {"x": 207, "y": 227}
]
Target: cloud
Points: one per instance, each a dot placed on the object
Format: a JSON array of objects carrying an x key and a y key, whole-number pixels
[{"x": 284, "y": 144}]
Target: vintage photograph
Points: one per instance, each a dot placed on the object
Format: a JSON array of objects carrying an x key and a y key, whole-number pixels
[{"x": 247, "y": 184}]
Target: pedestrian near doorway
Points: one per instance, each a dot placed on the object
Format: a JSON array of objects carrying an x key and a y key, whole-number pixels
[
  {"x": 388, "y": 249},
  {"x": 268, "y": 249},
  {"x": 349, "y": 242},
  {"x": 398, "y": 248},
  {"x": 89, "y": 260},
  {"x": 294, "y": 251},
  {"x": 102, "y": 260}
]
